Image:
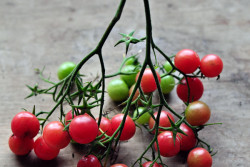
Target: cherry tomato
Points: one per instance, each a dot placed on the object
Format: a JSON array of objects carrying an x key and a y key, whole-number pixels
[
  {"x": 199, "y": 157},
  {"x": 163, "y": 122},
  {"x": 43, "y": 151},
  {"x": 89, "y": 161},
  {"x": 211, "y": 65},
  {"x": 55, "y": 136},
  {"x": 105, "y": 126},
  {"x": 129, "y": 79},
  {"x": 148, "y": 83},
  {"x": 68, "y": 116},
  {"x": 147, "y": 164},
  {"x": 167, "y": 66},
  {"x": 167, "y": 146},
  {"x": 132, "y": 61},
  {"x": 118, "y": 90},
  {"x": 20, "y": 145},
  {"x": 25, "y": 124},
  {"x": 119, "y": 165},
  {"x": 197, "y": 113},
  {"x": 137, "y": 93},
  {"x": 65, "y": 69},
  {"x": 196, "y": 89},
  {"x": 144, "y": 118},
  {"x": 83, "y": 129},
  {"x": 167, "y": 84},
  {"x": 187, "y": 142},
  {"x": 128, "y": 130},
  {"x": 187, "y": 61}
]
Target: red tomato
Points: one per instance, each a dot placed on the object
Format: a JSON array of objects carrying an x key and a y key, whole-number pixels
[
  {"x": 89, "y": 161},
  {"x": 163, "y": 122},
  {"x": 147, "y": 164},
  {"x": 197, "y": 113},
  {"x": 211, "y": 65},
  {"x": 119, "y": 165},
  {"x": 148, "y": 83},
  {"x": 25, "y": 124},
  {"x": 199, "y": 157},
  {"x": 20, "y": 145},
  {"x": 83, "y": 129},
  {"x": 196, "y": 89},
  {"x": 68, "y": 116},
  {"x": 105, "y": 126},
  {"x": 43, "y": 151},
  {"x": 166, "y": 144},
  {"x": 187, "y": 61},
  {"x": 55, "y": 136},
  {"x": 128, "y": 130},
  {"x": 187, "y": 142}
]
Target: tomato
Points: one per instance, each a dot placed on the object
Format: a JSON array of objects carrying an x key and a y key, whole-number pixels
[
  {"x": 144, "y": 118},
  {"x": 187, "y": 61},
  {"x": 25, "y": 124},
  {"x": 20, "y": 145},
  {"x": 167, "y": 84},
  {"x": 197, "y": 113},
  {"x": 148, "y": 83},
  {"x": 132, "y": 61},
  {"x": 83, "y": 129},
  {"x": 187, "y": 142},
  {"x": 163, "y": 122},
  {"x": 65, "y": 69},
  {"x": 129, "y": 79},
  {"x": 89, "y": 161},
  {"x": 119, "y": 165},
  {"x": 43, "y": 151},
  {"x": 68, "y": 116},
  {"x": 128, "y": 130},
  {"x": 196, "y": 89},
  {"x": 211, "y": 65},
  {"x": 55, "y": 136},
  {"x": 147, "y": 164},
  {"x": 167, "y": 146},
  {"x": 118, "y": 90},
  {"x": 105, "y": 126},
  {"x": 199, "y": 157},
  {"x": 167, "y": 66},
  {"x": 137, "y": 93}
]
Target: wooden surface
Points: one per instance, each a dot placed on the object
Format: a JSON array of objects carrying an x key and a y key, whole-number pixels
[{"x": 41, "y": 33}]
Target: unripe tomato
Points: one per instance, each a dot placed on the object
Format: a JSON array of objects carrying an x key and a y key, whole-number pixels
[
  {"x": 167, "y": 84},
  {"x": 167, "y": 66},
  {"x": 118, "y": 90},
  {"x": 65, "y": 69},
  {"x": 129, "y": 79},
  {"x": 143, "y": 119}
]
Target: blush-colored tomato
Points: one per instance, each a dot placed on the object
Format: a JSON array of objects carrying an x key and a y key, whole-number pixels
[
  {"x": 187, "y": 142},
  {"x": 147, "y": 164},
  {"x": 148, "y": 83},
  {"x": 187, "y": 61},
  {"x": 20, "y": 145},
  {"x": 55, "y": 136},
  {"x": 105, "y": 126},
  {"x": 196, "y": 89},
  {"x": 119, "y": 165},
  {"x": 25, "y": 124},
  {"x": 211, "y": 65},
  {"x": 43, "y": 151},
  {"x": 128, "y": 130},
  {"x": 65, "y": 69},
  {"x": 163, "y": 122},
  {"x": 167, "y": 146},
  {"x": 89, "y": 161},
  {"x": 83, "y": 129},
  {"x": 199, "y": 157},
  {"x": 197, "y": 113},
  {"x": 118, "y": 90},
  {"x": 137, "y": 93}
]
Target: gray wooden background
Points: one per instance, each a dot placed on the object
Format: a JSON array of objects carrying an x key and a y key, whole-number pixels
[{"x": 41, "y": 33}]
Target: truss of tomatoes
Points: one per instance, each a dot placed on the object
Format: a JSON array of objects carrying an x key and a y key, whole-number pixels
[{"x": 25, "y": 126}]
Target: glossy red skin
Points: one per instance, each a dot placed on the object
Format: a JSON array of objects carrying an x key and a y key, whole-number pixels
[
  {"x": 164, "y": 121},
  {"x": 43, "y": 151},
  {"x": 105, "y": 126},
  {"x": 148, "y": 83},
  {"x": 211, "y": 65},
  {"x": 21, "y": 145},
  {"x": 187, "y": 142},
  {"x": 68, "y": 116},
  {"x": 197, "y": 113},
  {"x": 147, "y": 164},
  {"x": 196, "y": 89},
  {"x": 55, "y": 136},
  {"x": 128, "y": 130},
  {"x": 187, "y": 61},
  {"x": 25, "y": 124},
  {"x": 199, "y": 157},
  {"x": 83, "y": 129},
  {"x": 119, "y": 165},
  {"x": 166, "y": 144},
  {"x": 89, "y": 161}
]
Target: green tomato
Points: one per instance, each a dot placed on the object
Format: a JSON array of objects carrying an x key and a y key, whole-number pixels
[
  {"x": 132, "y": 61},
  {"x": 167, "y": 66},
  {"x": 129, "y": 79},
  {"x": 143, "y": 119},
  {"x": 65, "y": 69},
  {"x": 167, "y": 84},
  {"x": 118, "y": 90}
]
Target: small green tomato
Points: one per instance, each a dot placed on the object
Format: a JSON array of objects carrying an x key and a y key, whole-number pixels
[
  {"x": 65, "y": 69},
  {"x": 118, "y": 90},
  {"x": 129, "y": 79},
  {"x": 167, "y": 66},
  {"x": 167, "y": 84},
  {"x": 143, "y": 119}
]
